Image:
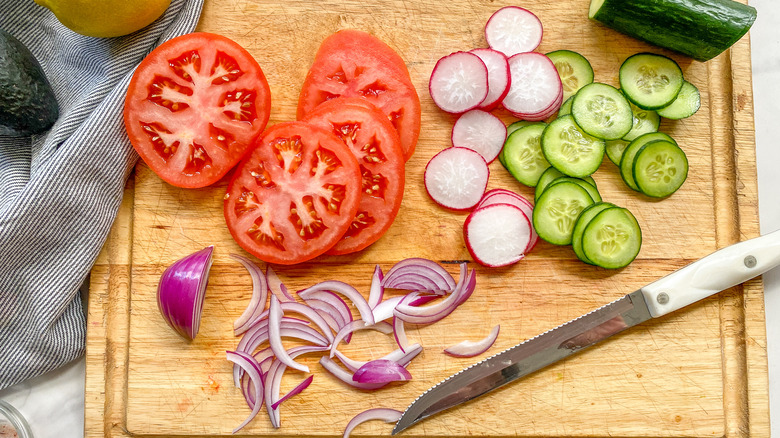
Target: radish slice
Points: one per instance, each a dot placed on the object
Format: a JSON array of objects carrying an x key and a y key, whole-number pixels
[
  {"x": 471, "y": 349},
  {"x": 498, "y": 77},
  {"x": 385, "y": 414},
  {"x": 512, "y": 30},
  {"x": 480, "y": 131},
  {"x": 497, "y": 235},
  {"x": 536, "y": 86},
  {"x": 504, "y": 196},
  {"x": 459, "y": 82},
  {"x": 456, "y": 178}
]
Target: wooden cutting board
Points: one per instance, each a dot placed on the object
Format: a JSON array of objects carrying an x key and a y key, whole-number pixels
[{"x": 700, "y": 372}]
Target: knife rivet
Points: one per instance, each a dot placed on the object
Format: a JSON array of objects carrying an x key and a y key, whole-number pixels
[
  {"x": 750, "y": 261},
  {"x": 662, "y": 298}
]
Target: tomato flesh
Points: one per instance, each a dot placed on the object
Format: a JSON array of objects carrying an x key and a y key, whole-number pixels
[
  {"x": 194, "y": 106},
  {"x": 375, "y": 143},
  {"x": 294, "y": 195},
  {"x": 351, "y": 63}
]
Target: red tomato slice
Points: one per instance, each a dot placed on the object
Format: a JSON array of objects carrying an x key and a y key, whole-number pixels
[
  {"x": 294, "y": 195},
  {"x": 351, "y": 63},
  {"x": 375, "y": 143},
  {"x": 194, "y": 106}
]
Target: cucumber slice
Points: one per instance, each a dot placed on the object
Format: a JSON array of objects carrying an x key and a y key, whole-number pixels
[
  {"x": 579, "y": 227},
  {"x": 687, "y": 103},
  {"x": 550, "y": 175},
  {"x": 615, "y": 150},
  {"x": 602, "y": 111},
  {"x": 650, "y": 81},
  {"x": 612, "y": 239},
  {"x": 557, "y": 211},
  {"x": 514, "y": 126},
  {"x": 565, "y": 108},
  {"x": 592, "y": 190},
  {"x": 644, "y": 121},
  {"x": 570, "y": 150},
  {"x": 523, "y": 154},
  {"x": 660, "y": 168},
  {"x": 574, "y": 69},
  {"x": 700, "y": 29},
  {"x": 627, "y": 161}
]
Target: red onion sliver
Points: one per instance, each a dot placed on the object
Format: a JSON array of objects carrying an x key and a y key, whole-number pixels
[
  {"x": 384, "y": 310},
  {"x": 348, "y": 291},
  {"x": 273, "y": 381},
  {"x": 276, "y": 286},
  {"x": 435, "y": 312},
  {"x": 275, "y": 336},
  {"x": 399, "y": 333},
  {"x": 309, "y": 313},
  {"x": 337, "y": 305},
  {"x": 295, "y": 391},
  {"x": 471, "y": 349},
  {"x": 181, "y": 290},
  {"x": 248, "y": 389},
  {"x": 396, "y": 355},
  {"x": 259, "y": 295},
  {"x": 354, "y": 326},
  {"x": 244, "y": 361},
  {"x": 345, "y": 376},
  {"x": 424, "y": 268},
  {"x": 377, "y": 291},
  {"x": 381, "y": 371},
  {"x": 385, "y": 414}
]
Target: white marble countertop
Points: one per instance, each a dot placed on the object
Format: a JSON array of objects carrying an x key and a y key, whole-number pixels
[{"x": 54, "y": 403}]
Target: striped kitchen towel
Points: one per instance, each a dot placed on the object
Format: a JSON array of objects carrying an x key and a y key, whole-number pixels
[{"x": 59, "y": 192}]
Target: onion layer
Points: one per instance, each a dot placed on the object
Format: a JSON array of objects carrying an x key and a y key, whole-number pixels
[
  {"x": 181, "y": 290},
  {"x": 385, "y": 414},
  {"x": 381, "y": 371},
  {"x": 470, "y": 348}
]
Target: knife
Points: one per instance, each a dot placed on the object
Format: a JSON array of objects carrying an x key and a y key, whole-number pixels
[{"x": 718, "y": 271}]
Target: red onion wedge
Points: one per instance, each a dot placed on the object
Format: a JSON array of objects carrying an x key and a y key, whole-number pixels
[
  {"x": 421, "y": 266},
  {"x": 480, "y": 131},
  {"x": 396, "y": 356},
  {"x": 348, "y": 291},
  {"x": 498, "y": 77},
  {"x": 259, "y": 295},
  {"x": 381, "y": 371},
  {"x": 459, "y": 82},
  {"x": 436, "y": 312},
  {"x": 181, "y": 291},
  {"x": 346, "y": 376},
  {"x": 295, "y": 391},
  {"x": 497, "y": 234},
  {"x": 470, "y": 348},
  {"x": 512, "y": 30},
  {"x": 456, "y": 178},
  {"x": 253, "y": 371},
  {"x": 385, "y": 414}
]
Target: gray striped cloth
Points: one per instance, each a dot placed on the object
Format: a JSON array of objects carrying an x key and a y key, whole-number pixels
[{"x": 59, "y": 192}]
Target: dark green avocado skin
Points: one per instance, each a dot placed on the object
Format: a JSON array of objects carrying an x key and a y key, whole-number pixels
[{"x": 27, "y": 102}]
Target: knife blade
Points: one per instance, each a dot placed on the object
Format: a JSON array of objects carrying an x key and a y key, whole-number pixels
[{"x": 707, "y": 276}]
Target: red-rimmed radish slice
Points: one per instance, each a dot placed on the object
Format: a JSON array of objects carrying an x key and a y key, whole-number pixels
[
  {"x": 512, "y": 30},
  {"x": 536, "y": 86},
  {"x": 480, "y": 131},
  {"x": 459, "y": 82},
  {"x": 545, "y": 114},
  {"x": 497, "y": 235},
  {"x": 473, "y": 348},
  {"x": 456, "y": 178},
  {"x": 498, "y": 77},
  {"x": 504, "y": 196}
]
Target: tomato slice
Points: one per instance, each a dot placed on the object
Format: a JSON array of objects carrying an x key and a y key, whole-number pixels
[
  {"x": 351, "y": 63},
  {"x": 294, "y": 195},
  {"x": 375, "y": 143},
  {"x": 194, "y": 106}
]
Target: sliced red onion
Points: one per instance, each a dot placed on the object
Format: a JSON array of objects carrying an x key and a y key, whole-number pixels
[
  {"x": 295, "y": 391},
  {"x": 348, "y": 291},
  {"x": 377, "y": 291},
  {"x": 345, "y": 376},
  {"x": 381, "y": 371},
  {"x": 311, "y": 314},
  {"x": 419, "y": 271},
  {"x": 332, "y": 322},
  {"x": 259, "y": 296},
  {"x": 181, "y": 290},
  {"x": 248, "y": 364},
  {"x": 248, "y": 389},
  {"x": 399, "y": 333},
  {"x": 354, "y": 326},
  {"x": 336, "y": 306},
  {"x": 435, "y": 312},
  {"x": 275, "y": 336},
  {"x": 273, "y": 381},
  {"x": 384, "y": 310},
  {"x": 385, "y": 414},
  {"x": 471, "y": 349},
  {"x": 276, "y": 286},
  {"x": 396, "y": 355}
]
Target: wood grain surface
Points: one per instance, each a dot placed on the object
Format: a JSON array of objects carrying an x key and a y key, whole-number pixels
[{"x": 700, "y": 372}]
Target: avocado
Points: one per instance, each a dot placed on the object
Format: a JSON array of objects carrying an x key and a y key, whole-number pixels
[{"x": 27, "y": 102}]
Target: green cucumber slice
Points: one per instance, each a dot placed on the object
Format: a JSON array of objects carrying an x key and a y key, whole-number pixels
[
  {"x": 650, "y": 81},
  {"x": 574, "y": 69},
  {"x": 565, "y": 108},
  {"x": 687, "y": 103},
  {"x": 644, "y": 121},
  {"x": 615, "y": 150},
  {"x": 557, "y": 211},
  {"x": 660, "y": 168},
  {"x": 627, "y": 160},
  {"x": 592, "y": 190},
  {"x": 579, "y": 227},
  {"x": 523, "y": 154},
  {"x": 602, "y": 111},
  {"x": 514, "y": 126},
  {"x": 550, "y": 175},
  {"x": 612, "y": 239},
  {"x": 570, "y": 150}
]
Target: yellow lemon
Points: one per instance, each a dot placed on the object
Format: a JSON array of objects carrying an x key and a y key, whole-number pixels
[{"x": 106, "y": 18}]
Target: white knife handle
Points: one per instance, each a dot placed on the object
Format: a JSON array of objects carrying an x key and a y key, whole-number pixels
[{"x": 720, "y": 270}]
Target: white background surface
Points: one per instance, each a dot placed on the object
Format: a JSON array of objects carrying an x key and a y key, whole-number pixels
[{"x": 54, "y": 403}]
